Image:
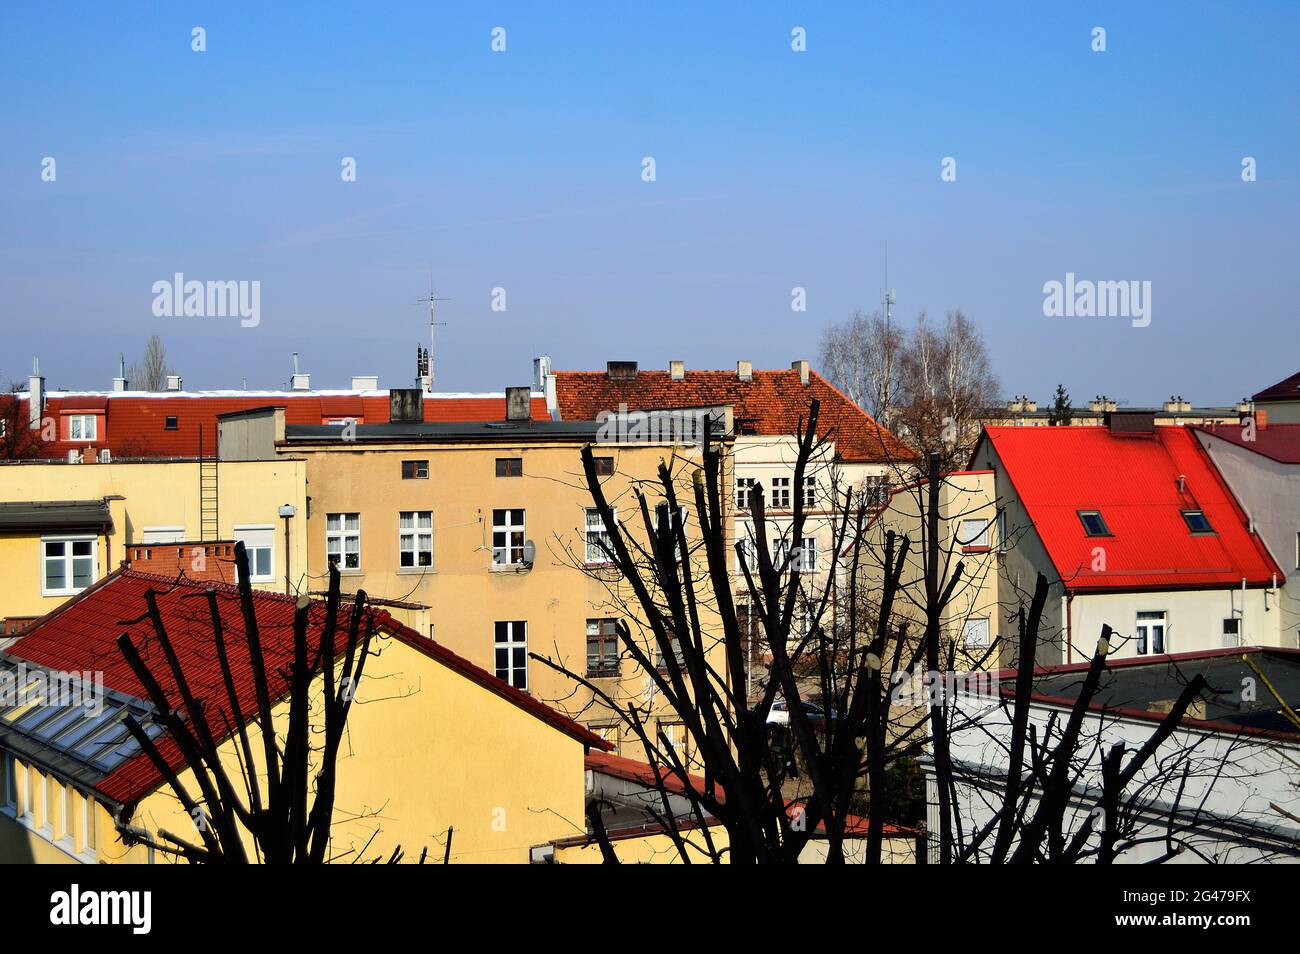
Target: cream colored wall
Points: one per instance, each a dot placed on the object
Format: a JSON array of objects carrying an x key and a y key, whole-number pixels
[
  {"x": 29, "y": 834},
  {"x": 463, "y": 594},
  {"x": 155, "y": 494},
  {"x": 427, "y": 749}
]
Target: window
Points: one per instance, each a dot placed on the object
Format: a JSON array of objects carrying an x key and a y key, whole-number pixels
[
  {"x": 1232, "y": 631},
  {"x": 675, "y": 733},
  {"x": 781, "y": 493},
  {"x": 259, "y": 543},
  {"x": 510, "y": 466},
  {"x": 610, "y": 734},
  {"x": 507, "y": 537},
  {"x": 1197, "y": 522},
  {"x": 88, "y": 824},
  {"x": 9, "y": 793},
  {"x": 68, "y": 564},
  {"x": 28, "y": 810},
  {"x": 660, "y": 662},
  {"x": 415, "y": 470},
  {"x": 604, "y": 466},
  {"x": 81, "y": 427},
  {"x": 512, "y": 653},
  {"x": 973, "y": 534},
  {"x": 744, "y": 493},
  {"x": 780, "y": 553},
  {"x": 602, "y": 648},
  {"x": 975, "y": 632},
  {"x": 810, "y": 491},
  {"x": 1150, "y": 633},
  {"x": 171, "y": 423},
  {"x": 415, "y": 538},
  {"x": 806, "y": 562},
  {"x": 875, "y": 490},
  {"x": 1002, "y": 531},
  {"x": 747, "y": 555},
  {"x": 599, "y": 546},
  {"x": 1093, "y": 524},
  {"x": 343, "y": 540}
]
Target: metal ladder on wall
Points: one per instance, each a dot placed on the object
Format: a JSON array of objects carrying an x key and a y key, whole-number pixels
[{"x": 209, "y": 524}]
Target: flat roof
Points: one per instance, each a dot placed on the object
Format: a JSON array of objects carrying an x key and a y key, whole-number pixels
[{"x": 55, "y": 515}]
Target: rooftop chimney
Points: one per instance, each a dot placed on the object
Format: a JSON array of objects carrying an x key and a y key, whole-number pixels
[
  {"x": 518, "y": 404},
  {"x": 173, "y": 382},
  {"x": 299, "y": 382},
  {"x": 119, "y": 382},
  {"x": 621, "y": 370},
  {"x": 365, "y": 382},
  {"x": 1131, "y": 422},
  {"x": 405, "y": 405},
  {"x": 677, "y": 370},
  {"x": 802, "y": 367},
  {"x": 35, "y": 395},
  {"x": 544, "y": 381},
  {"x": 745, "y": 370}
]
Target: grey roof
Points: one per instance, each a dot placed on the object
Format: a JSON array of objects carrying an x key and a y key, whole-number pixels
[{"x": 55, "y": 515}]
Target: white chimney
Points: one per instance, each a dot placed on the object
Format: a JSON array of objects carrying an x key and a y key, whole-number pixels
[
  {"x": 677, "y": 370},
  {"x": 365, "y": 382},
  {"x": 173, "y": 382},
  {"x": 35, "y": 395},
  {"x": 745, "y": 370},
  {"x": 299, "y": 382},
  {"x": 544, "y": 381},
  {"x": 802, "y": 367}
]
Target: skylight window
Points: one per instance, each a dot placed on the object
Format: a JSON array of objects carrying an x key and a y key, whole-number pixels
[
  {"x": 1197, "y": 522},
  {"x": 1093, "y": 524}
]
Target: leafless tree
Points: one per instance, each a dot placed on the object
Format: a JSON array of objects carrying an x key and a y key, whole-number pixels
[
  {"x": 150, "y": 374},
  {"x": 18, "y": 439},
  {"x": 291, "y": 821},
  {"x": 863, "y": 357}
]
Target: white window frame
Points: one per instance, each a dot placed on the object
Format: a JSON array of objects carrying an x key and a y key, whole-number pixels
[
  {"x": 780, "y": 552},
  {"x": 516, "y": 640},
  {"x": 976, "y": 623},
  {"x": 592, "y": 534},
  {"x": 747, "y": 555},
  {"x": 806, "y": 560},
  {"x": 780, "y": 493},
  {"x": 977, "y": 540},
  {"x": 509, "y": 553},
  {"x": 342, "y": 535},
  {"x": 744, "y": 493},
  {"x": 809, "y": 492},
  {"x": 1147, "y": 620},
  {"x": 258, "y": 531},
  {"x": 418, "y": 535},
  {"x": 69, "y": 588},
  {"x": 82, "y": 420}
]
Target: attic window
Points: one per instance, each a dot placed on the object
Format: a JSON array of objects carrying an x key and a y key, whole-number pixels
[
  {"x": 1197, "y": 521},
  {"x": 1093, "y": 524},
  {"x": 171, "y": 423}
]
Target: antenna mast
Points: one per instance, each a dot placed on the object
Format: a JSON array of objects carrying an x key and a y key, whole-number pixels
[{"x": 424, "y": 356}]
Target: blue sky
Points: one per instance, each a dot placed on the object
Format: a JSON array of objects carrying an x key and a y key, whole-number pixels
[{"x": 775, "y": 169}]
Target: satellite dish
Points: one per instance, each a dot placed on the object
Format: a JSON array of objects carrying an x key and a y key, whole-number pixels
[{"x": 530, "y": 552}]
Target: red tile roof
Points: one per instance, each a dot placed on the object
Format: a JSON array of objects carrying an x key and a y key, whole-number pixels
[
  {"x": 82, "y": 635},
  {"x": 1133, "y": 481},
  {"x": 771, "y": 403},
  {"x": 1279, "y": 442},
  {"x": 1288, "y": 389},
  {"x": 134, "y": 425}
]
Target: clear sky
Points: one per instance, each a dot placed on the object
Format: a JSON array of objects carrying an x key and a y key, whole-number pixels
[{"x": 774, "y": 169}]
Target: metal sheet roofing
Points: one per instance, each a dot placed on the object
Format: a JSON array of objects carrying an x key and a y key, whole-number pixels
[
  {"x": 1141, "y": 485},
  {"x": 55, "y": 515}
]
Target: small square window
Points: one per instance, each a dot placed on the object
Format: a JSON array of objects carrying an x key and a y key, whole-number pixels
[
  {"x": 1197, "y": 522},
  {"x": 1093, "y": 524},
  {"x": 604, "y": 466},
  {"x": 510, "y": 466},
  {"x": 415, "y": 470},
  {"x": 171, "y": 424}
]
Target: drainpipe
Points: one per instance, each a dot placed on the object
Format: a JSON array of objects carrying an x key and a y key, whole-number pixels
[
  {"x": 1066, "y": 612},
  {"x": 287, "y": 512},
  {"x": 1241, "y": 630}
]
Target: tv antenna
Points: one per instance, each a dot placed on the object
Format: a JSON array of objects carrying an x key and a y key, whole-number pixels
[{"x": 424, "y": 356}]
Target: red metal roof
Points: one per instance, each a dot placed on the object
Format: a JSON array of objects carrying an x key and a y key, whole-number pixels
[
  {"x": 1133, "y": 480},
  {"x": 82, "y": 635},
  {"x": 135, "y": 425},
  {"x": 771, "y": 403}
]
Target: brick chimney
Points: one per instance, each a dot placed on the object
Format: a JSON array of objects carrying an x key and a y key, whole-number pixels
[
  {"x": 620, "y": 370},
  {"x": 209, "y": 561}
]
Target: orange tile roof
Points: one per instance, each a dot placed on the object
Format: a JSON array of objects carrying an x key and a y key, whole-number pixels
[{"x": 771, "y": 403}]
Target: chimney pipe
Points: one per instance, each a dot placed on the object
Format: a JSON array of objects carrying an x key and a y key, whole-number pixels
[
  {"x": 35, "y": 395},
  {"x": 173, "y": 382},
  {"x": 299, "y": 382},
  {"x": 119, "y": 382},
  {"x": 745, "y": 370},
  {"x": 518, "y": 404},
  {"x": 802, "y": 367}
]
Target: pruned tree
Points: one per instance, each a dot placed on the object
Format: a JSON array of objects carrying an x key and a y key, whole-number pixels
[
  {"x": 150, "y": 374},
  {"x": 236, "y": 820}
]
